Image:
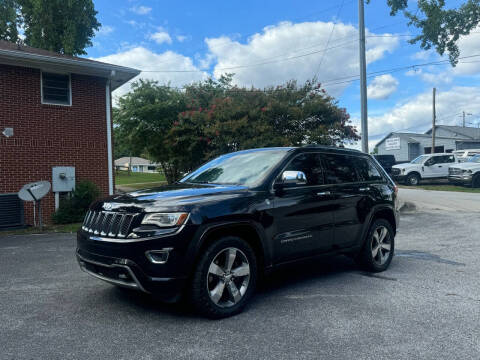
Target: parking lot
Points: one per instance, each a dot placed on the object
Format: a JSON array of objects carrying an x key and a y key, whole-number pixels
[{"x": 427, "y": 305}]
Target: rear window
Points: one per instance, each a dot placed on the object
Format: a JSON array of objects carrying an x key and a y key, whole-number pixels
[
  {"x": 367, "y": 171},
  {"x": 339, "y": 169}
]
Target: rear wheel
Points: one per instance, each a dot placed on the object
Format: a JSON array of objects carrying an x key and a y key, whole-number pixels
[
  {"x": 377, "y": 252},
  {"x": 413, "y": 179},
  {"x": 225, "y": 278}
]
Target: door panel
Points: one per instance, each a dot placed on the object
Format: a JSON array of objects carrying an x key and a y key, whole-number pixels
[{"x": 304, "y": 223}]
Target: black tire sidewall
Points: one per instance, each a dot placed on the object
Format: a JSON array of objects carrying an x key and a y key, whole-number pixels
[
  {"x": 199, "y": 294},
  {"x": 476, "y": 181},
  {"x": 411, "y": 176},
  {"x": 365, "y": 257}
]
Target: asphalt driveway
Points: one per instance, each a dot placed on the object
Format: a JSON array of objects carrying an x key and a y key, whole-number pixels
[{"x": 426, "y": 306}]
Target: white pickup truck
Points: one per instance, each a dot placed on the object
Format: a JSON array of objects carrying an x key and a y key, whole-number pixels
[
  {"x": 429, "y": 166},
  {"x": 467, "y": 173}
]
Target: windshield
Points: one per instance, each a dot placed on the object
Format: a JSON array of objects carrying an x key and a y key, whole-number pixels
[
  {"x": 244, "y": 168},
  {"x": 419, "y": 159},
  {"x": 475, "y": 159}
]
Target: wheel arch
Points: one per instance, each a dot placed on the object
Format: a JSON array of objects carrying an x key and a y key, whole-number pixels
[
  {"x": 384, "y": 212},
  {"x": 246, "y": 230}
]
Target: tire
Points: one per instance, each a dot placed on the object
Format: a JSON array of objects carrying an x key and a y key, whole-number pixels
[
  {"x": 216, "y": 291},
  {"x": 412, "y": 179},
  {"x": 377, "y": 261},
  {"x": 476, "y": 181}
]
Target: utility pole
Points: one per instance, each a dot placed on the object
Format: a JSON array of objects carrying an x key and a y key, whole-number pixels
[
  {"x": 464, "y": 119},
  {"x": 433, "y": 122},
  {"x": 363, "y": 75}
]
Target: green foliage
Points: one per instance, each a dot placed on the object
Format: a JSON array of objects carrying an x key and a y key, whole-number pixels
[
  {"x": 441, "y": 27},
  {"x": 64, "y": 26},
  {"x": 183, "y": 129},
  {"x": 73, "y": 209},
  {"x": 8, "y": 20}
]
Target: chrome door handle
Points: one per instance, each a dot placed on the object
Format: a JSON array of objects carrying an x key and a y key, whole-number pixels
[
  {"x": 325, "y": 193},
  {"x": 364, "y": 189}
]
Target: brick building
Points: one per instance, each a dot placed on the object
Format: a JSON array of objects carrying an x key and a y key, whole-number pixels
[{"x": 55, "y": 110}]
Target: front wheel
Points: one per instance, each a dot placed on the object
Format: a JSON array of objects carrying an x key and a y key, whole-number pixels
[
  {"x": 225, "y": 278},
  {"x": 413, "y": 179},
  {"x": 476, "y": 181},
  {"x": 377, "y": 252}
]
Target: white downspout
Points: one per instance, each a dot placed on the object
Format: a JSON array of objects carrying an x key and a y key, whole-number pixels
[{"x": 109, "y": 140}]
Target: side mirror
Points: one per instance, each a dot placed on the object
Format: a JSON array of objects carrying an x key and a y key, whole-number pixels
[{"x": 294, "y": 178}]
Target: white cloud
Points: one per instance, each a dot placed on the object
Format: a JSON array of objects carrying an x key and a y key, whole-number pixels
[
  {"x": 469, "y": 45},
  {"x": 416, "y": 113},
  {"x": 141, "y": 10},
  {"x": 144, "y": 59},
  {"x": 105, "y": 30},
  {"x": 161, "y": 37},
  {"x": 181, "y": 38},
  {"x": 382, "y": 87},
  {"x": 286, "y": 40}
]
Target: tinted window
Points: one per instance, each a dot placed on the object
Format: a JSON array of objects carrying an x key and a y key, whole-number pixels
[
  {"x": 366, "y": 170},
  {"x": 442, "y": 159},
  {"x": 310, "y": 165},
  {"x": 339, "y": 169}
]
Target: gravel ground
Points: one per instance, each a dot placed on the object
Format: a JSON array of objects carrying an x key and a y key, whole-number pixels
[{"x": 427, "y": 305}]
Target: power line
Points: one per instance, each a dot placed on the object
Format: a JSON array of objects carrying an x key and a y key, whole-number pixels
[{"x": 329, "y": 38}]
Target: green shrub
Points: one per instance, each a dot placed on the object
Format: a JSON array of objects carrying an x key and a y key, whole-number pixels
[{"x": 74, "y": 208}]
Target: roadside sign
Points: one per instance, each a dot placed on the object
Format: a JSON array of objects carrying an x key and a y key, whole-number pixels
[{"x": 392, "y": 144}]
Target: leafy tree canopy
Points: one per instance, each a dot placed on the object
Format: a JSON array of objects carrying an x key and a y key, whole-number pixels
[
  {"x": 181, "y": 129},
  {"x": 64, "y": 26},
  {"x": 440, "y": 26}
]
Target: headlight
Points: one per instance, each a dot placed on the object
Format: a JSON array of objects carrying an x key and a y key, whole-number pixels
[
  {"x": 403, "y": 170},
  {"x": 165, "y": 219}
]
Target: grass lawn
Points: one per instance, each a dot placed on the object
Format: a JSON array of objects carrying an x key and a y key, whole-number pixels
[
  {"x": 122, "y": 178},
  {"x": 140, "y": 186},
  {"x": 442, "y": 187},
  {"x": 68, "y": 228}
]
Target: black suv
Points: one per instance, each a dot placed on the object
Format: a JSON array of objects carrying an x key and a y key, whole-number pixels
[{"x": 214, "y": 233}]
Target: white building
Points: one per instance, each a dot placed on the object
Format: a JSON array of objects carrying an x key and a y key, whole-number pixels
[
  {"x": 406, "y": 146},
  {"x": 138, "y": 164}
]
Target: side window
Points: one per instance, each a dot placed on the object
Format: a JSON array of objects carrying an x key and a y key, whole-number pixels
[
  {"x": 367, "y": 170},
  {"x": 310, "y": 165},
  {"x": 339, "y": 169},
  {"x": 449, "y": 159}
]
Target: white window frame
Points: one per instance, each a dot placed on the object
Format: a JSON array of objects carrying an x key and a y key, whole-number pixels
[{"x": 69, "y": 88}]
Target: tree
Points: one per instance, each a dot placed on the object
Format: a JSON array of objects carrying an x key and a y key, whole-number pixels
[
  {"x": 440, "y": 27},
  {"x": 8, "y": 20},
  {"x": 63, "y": 26},
  {"x": 143, "y": 119},
  {"x": 183, "y": 129}
]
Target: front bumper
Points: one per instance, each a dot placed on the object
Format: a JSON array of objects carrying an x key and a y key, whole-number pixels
[
  {"x": 126, "y": 264},
  {"x": 399, "y": 178},
  {"x": 460, "y": 179}
]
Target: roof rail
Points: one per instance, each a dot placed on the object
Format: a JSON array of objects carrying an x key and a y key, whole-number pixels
[{"x": 329, "y": 147}]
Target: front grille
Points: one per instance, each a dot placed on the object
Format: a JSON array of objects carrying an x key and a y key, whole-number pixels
[
  {"x": 454, "y": 171},
  {"x": 108, "y": 224},
  {"x": 395, "y": 171}
]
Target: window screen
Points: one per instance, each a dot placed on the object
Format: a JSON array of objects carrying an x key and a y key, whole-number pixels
[
  {"x": 310, "y": 165},
  {"x": 55, "y": 88},
  {"x": 366, "y": 170},
  {"x": 339, "y": 169}
]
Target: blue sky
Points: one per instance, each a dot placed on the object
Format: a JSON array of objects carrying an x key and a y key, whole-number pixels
[{"x": 269, "y": 42}]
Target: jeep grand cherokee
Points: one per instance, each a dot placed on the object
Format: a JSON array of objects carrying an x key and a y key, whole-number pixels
[{"x": 212, "y": 234}]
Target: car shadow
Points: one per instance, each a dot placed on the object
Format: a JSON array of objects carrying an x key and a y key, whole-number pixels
[{"x": 299, "y": 274}]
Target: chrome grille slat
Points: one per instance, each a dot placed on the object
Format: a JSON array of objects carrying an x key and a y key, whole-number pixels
[{"x": 108, "y": 223}]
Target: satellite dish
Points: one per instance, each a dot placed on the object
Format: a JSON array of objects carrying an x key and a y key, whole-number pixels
[{"x": 34, "y": 191}]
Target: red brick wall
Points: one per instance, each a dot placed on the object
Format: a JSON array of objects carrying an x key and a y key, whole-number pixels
[{"x": 50, "y": 135}]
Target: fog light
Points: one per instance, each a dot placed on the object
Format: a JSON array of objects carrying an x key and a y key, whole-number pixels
[{"x": 158, "y": 256}]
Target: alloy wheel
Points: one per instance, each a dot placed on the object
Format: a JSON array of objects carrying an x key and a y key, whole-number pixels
[
  {"x": 228, "y": 277},
  {"x": 381, "y": 245}
]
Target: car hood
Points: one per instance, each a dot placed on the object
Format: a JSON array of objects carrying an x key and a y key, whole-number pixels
[
  {"x": 406, "y": 166},
  {"x": 179, "y": 195},
  {"x": 466, "y": 166}
]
